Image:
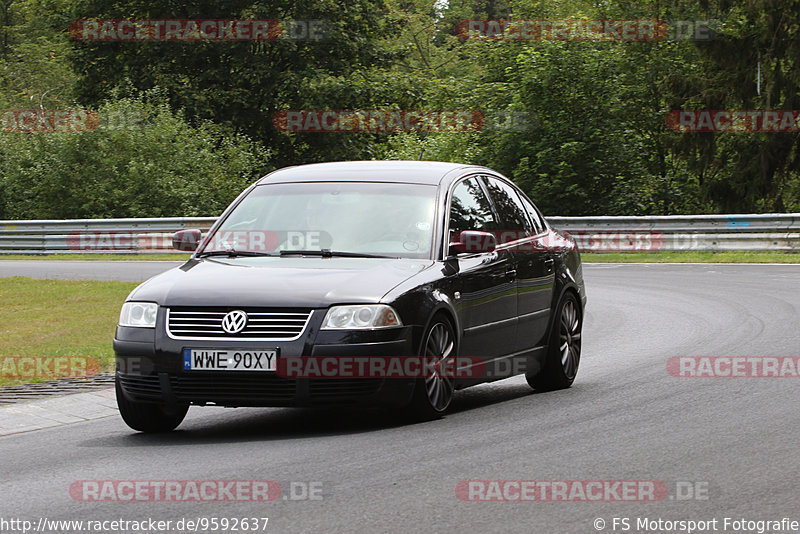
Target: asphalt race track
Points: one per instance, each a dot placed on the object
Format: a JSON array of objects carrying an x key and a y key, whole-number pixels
[{"x": 733, "y": 441}]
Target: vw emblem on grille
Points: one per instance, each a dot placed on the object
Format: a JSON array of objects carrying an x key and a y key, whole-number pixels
[{"x": 234, "y": 322}]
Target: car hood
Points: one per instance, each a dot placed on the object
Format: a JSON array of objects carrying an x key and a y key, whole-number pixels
[{"x": 281, "y": 282}]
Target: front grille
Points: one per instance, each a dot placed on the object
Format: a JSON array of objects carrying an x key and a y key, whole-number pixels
[
  {"x": 323, "y": 389},
  {"x": 262, "y": 324},
  {"x": 246, "y": 389},
  {"x": 221, "y": 388}
]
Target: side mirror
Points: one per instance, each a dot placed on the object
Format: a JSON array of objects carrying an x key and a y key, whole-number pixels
[
  {"x": 473, "y": 241},
  {"x": 186, "y": 239}
]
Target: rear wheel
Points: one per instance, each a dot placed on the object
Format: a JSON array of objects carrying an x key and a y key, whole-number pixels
[
  {"x": 433, "y": 393},
  {"x": 564, "y": 348},
  {"x": 146, "y": 417}
]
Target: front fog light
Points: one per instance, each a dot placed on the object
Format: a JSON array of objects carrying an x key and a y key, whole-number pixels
[
  {"x": 361, "y": 317},
  {"x": 138, "y": 314}
]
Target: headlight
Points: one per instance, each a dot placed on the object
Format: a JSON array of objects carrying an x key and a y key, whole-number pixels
[
  {"x": 358, "y": 317},
  {"x": 140, "y": 314}
]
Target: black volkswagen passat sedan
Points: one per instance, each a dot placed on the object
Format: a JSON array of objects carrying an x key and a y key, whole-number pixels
[{"x": 370, "y": 283}]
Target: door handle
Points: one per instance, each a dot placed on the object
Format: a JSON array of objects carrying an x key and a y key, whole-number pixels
[
  {"x": 511, "y": 274},
  {"x": 548, "y": 263}
]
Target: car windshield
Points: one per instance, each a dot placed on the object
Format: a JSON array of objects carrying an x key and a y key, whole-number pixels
[{"x": 355, "y": 218}]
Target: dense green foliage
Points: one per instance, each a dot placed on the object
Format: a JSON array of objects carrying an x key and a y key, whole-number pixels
[
  {"x": 590, "y": 134},
  {"x": 142, "y": 161}
]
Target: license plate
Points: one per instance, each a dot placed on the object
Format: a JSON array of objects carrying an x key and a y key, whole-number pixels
[{"x": 230, "y": 360}]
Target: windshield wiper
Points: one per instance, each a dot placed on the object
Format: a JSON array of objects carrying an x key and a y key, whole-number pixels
[
  {"x": 327, "y": 253},
  {"x": 230, "y": 253}
]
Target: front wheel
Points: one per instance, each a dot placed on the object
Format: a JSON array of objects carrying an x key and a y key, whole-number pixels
[
  {"x": 564, "y": 348},
  {"x": 433, "y": 393},
  {"x": 147, "y": 417}
]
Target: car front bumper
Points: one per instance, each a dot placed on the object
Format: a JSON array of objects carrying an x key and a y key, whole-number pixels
[{"x": 150, "y": 369}]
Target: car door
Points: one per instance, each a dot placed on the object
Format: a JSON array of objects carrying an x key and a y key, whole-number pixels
[
  {"x": 484, "y": 288},
  {"x": 532, "y": 261}
]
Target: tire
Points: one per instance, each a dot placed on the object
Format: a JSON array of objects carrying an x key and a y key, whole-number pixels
[
  {"x": 564, "y": 348},
  {"x": 147, "y": 417},
  {"x": 433, "y": 393}
]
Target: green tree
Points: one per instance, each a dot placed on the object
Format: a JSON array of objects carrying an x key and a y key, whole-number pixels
[
  {"x": 35, "y": 72},
  {"x": 144, "y": 160},
  {"x": 746, "y": 172},
  {"x": 243, "y": 84}
]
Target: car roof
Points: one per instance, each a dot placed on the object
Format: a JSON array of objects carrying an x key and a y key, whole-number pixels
[{"x": 418, "y": 172}]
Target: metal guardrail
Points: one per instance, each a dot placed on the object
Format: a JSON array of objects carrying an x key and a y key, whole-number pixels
[
  {"x": 759, "y": 222},
  {"x": 131, "y": 236},
  {"x": 779, "y": 232},
  {"x": 771, "y": 231}
]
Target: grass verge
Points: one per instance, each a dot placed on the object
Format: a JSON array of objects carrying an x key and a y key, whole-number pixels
[{"x": 57, "y": 319}]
